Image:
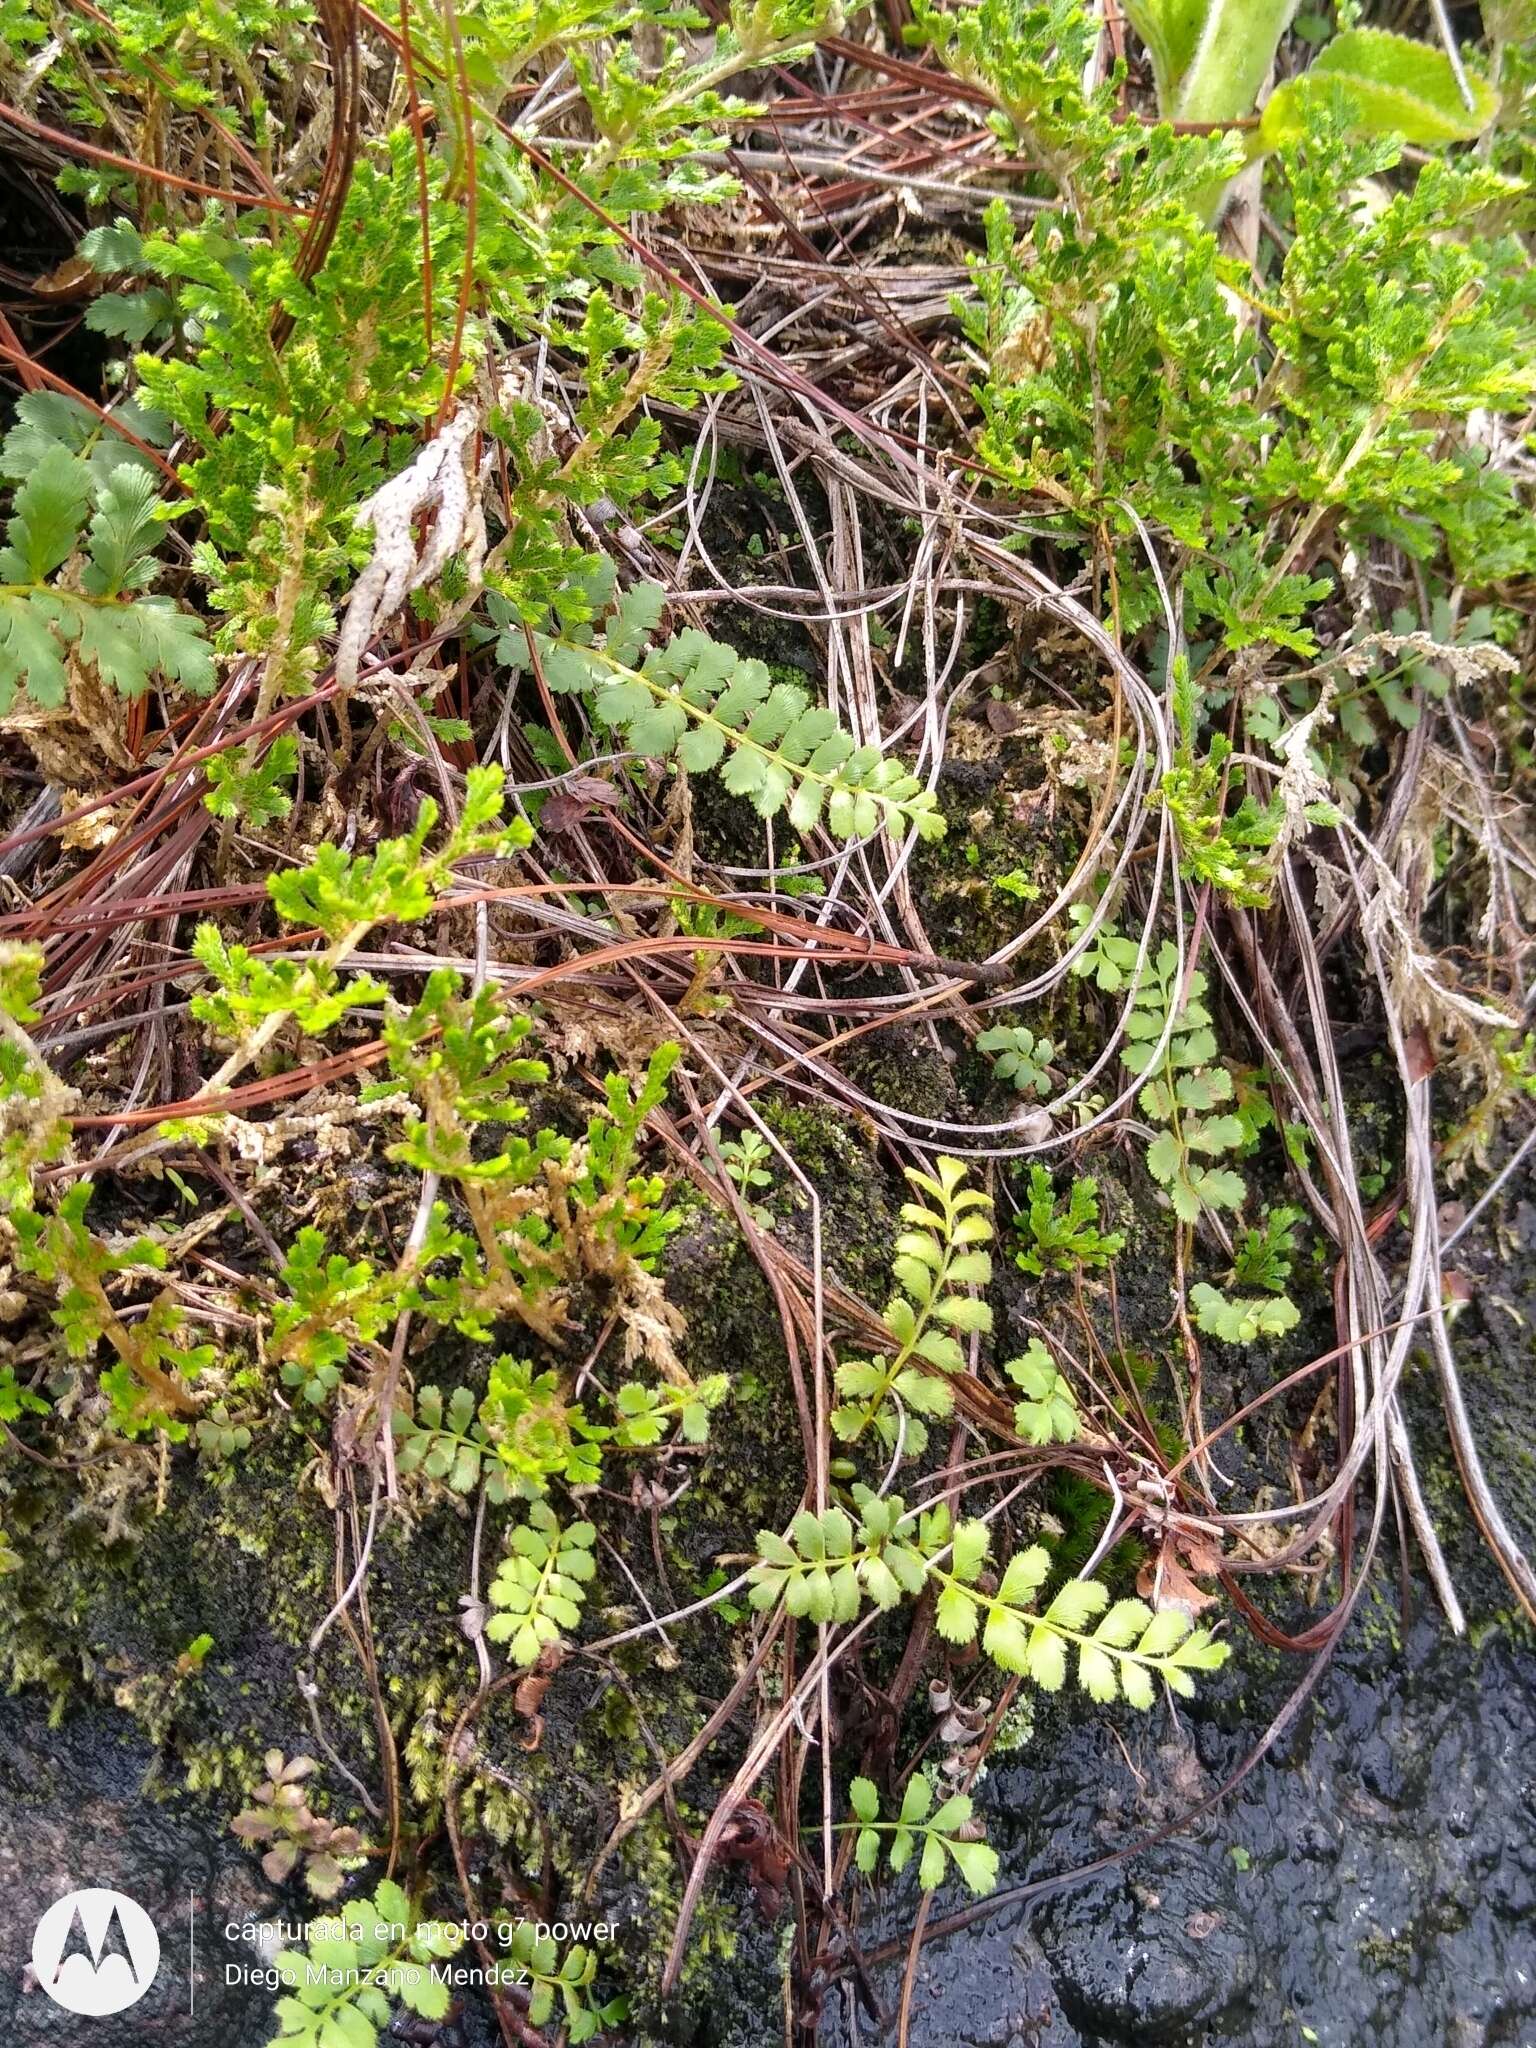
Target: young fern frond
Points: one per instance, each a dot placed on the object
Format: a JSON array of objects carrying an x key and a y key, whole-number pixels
[
  {"x": 545, "y": 1977},
  {"x": 1266, "y": 1255},
  {"x": 1130, "y": 1647},
  {"x": 523, "y": 1434},
  {"x": 696, "y": 702},
  {"x": 1020, "y": 1057},
  {"x": 344, "y": 897},
  {"x": 250, "y": 988},
  {"x": 357, "y": 1962},
  {"x": 646, "y": 1413},
  {"x": 147, "y": 1387},
  {"x": 539, "y": 1590},
  {"x": 1241, "y": 1319},
  {"x": 826, "y": 1569},
  {"x": 949, "y": 1834},
  {"x": 938, "y": 1255},
  {"x": 1186, "y": 1091},
  {"x": 332, "y": 1302},
  {"x": 1048, "y": 1412},
  {"x": 1062, "y": 1241}
]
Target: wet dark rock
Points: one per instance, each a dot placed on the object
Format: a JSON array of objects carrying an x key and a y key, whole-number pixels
[
  {"x": 1373, "y": 1880},
  {"x": 1153, "y": 1959},
  {"x": 77, "y": 1815}
]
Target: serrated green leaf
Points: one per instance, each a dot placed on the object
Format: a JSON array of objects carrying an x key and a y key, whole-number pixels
[
  {"x": 916, "y": 1800},
  {"x": 977, "y": 1863},
  {"x": 46, "y": 516},
  {"x": 1046, "y": 1660},
  {"x": 864, "y": 1799}
]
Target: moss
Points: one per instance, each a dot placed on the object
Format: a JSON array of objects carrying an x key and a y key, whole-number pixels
[
  {"x": 1001, "y": 823},
  {"x": 246, "y": 1552},
  {"x": 860, "y": 1200}
]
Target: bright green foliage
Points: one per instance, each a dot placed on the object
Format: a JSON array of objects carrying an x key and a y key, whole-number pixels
[
  {"x": 399, "y": 881},
  {"x": 697, "y": 702},
  {"x": 1242, "y": 35},
  {"x": 711, "y": 924},
  {"x": 673, "y": 351},
  {"x": 511, "y": 1264},
  {"x": 286, "y": 389},
  {"x": 947, "y": 1835},
  {"x": 1019, "y": 1057},
  {"x": 136, "y": 315},
  {"x": 539, "y": 1590},
  {"x": 826, "y": 1568},
  {"x": 1089, "y": 297},
  {"x": 1226, "y": 847},
  {"x": 1061, "y": 1241},
  {"x": 650, "y": 114},
  {"x": 48, "y": 423},
  {"x": 17, "y": 1400},
  {"x": 253, "y": 793},
  {"x": 459, "y": 1057},
  {"x": 524, "y": 1434},
  {"x": 1211, "y": 58},
  {"x": 1129, "y": 1648},
  {"x": 746, "y": 1161},
  {"x": 535, "y": 1966},
  {"x": 646, "y": 1414},
  {"x": 358, "y": 1961},
  {"x": 1265, "y": 1256},
  {"x": 546, "y": 1211},
  {"x": 1245, "y": 1319},
  {"x": 33, "y": 1129},
  {"x": 304, "y": 417},
  {"x": 146, "y": 1387},
  {"x": 1114, "y": 373},
  {"x": 333, "y": 1302},
  {"x": 1048, "y": 1412},
  {"x": 1392, "y": 323},
  {"x": 345, "y": 897},
  {"x": 249, "y": 988},
  {"x": 1109, "y": 957},
  {"x": 1186, "y": 1091},
  {"x": 170, "y": 54},
  {"x": 618, "y": 1213},
  {"x": 939, "y": 1255},
  {"x": 1395, "y": 86},
  {"x": 97, "y": 611}
]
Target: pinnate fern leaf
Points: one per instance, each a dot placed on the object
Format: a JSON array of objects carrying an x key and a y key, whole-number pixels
[{"x": 699, "y": 703}]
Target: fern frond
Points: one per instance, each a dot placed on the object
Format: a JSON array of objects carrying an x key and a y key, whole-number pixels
[
  {"x": 698, "y": 703},
  {"x": 939, "y": 1256},
  {"x": 539, "y": 1590}
]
